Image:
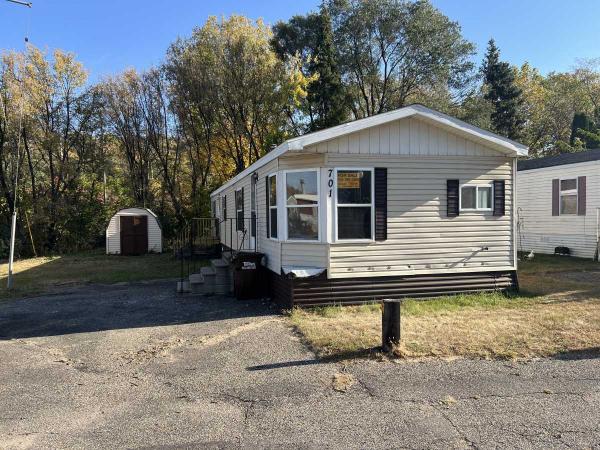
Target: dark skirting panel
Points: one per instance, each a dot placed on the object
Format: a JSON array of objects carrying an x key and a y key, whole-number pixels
[{"x": 321, "y": 291}]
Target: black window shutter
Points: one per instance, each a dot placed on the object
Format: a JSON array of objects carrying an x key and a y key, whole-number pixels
[
  {"x": 581, "y": 196},
  {"x": 555, "y": 196},
  {"x": 452, "y": 198},
  {"x": 380, "y": 204},
  {"x": 499, "y": 202},
  {"x": 225, "y": 207},
  {"x": 267, "y": 205}
]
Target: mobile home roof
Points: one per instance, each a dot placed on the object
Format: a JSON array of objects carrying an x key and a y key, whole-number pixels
[
  {"x": 559, "y": 160},
  {"x": 492, "y": 140}
]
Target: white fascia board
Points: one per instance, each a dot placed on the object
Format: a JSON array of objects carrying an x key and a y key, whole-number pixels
[
  {"x": 273, "y": 154},
  {"x": 499, "y": 142},
  {"x": 495, "y": 141}
]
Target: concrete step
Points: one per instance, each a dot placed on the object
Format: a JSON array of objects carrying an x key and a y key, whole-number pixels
[
  {"x": 183, "y": 287},
  {"x": 209, "y": 274},
  {"x": 219, "y": 264},
  {"x": 197, "y": 283},
  {"x": 196, "y": 278}
]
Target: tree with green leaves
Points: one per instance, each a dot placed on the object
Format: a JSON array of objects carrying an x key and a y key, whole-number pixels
[
  {"x": 503, "y": 93},
  {"x": 394, "y": 52},
  {"x": 584, "y": 128},
  {"x": 310, "y": 38}
]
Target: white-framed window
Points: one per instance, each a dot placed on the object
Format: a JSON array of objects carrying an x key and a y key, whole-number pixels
[
  {"x": 302, "y": 204},
  {"x": 476, "y": 197},
  {"x": 239, "y": 210},
  {"x": 272, "y": 206},
  {"x": 568, "y": 196},
  {"x": 354, "y": 204}
]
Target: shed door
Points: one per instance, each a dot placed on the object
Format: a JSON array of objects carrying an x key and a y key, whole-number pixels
[{"x": 134, "y": 235}]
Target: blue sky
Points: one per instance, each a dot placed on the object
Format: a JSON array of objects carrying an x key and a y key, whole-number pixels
[{"x": 109, "y": 35}]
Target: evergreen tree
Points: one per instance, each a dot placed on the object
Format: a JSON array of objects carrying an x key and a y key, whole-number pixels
[
  {"x": 326, "y": 93},
  {"x": 311, "y": 38},
  {"x": 503, "y": 93},
  {"x": 585, "y": 130}
]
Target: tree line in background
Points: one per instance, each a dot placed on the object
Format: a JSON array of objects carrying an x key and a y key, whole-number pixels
[{"x": 224, "y": 96}]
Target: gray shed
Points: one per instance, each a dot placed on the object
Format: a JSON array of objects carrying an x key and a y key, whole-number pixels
[{"x": 133, "y": 231}]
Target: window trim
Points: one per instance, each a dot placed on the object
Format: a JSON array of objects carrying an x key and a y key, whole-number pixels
[
  {"x": 570, "y": 192},
  {"x": 336, "y": 204},
  {"x": 237, "y": 192},
  {"x": 318, "y": 205},
  {"x": 271, "y": 207},
  {"x": 476, "y": 186}
]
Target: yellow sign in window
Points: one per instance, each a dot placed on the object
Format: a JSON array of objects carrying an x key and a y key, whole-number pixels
[{"x": 349, "y": 180}]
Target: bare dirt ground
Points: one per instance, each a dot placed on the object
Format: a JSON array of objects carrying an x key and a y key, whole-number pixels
[{"x": 137, "y": 366}]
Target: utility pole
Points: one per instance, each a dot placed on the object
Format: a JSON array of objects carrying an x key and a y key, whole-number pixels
[{"x": 13, "y": 230}]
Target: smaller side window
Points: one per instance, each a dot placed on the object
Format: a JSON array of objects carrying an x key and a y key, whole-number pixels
[
  {"x": 272, "y": 206},
  {"x": 476, "y": 197},
  {"x": 239, "y": 209},
  {"x": 568, "y": 196}
]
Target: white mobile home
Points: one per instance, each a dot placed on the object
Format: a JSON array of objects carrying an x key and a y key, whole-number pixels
[
  {"x": 558, "y": 202},
  {"x": 407, "y": 203}
]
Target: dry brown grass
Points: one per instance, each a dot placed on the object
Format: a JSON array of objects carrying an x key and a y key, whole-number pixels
[{"x": 554, "y": 315}]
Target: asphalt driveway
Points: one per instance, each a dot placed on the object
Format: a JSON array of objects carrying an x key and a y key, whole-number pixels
[{"x": 138, "y": 366}]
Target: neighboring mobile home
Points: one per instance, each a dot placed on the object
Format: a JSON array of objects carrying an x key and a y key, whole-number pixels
[
  {"x": 407, "y": 203},
  {"x": 133, "y": 231},
  {"x": 558, "y": 201}
]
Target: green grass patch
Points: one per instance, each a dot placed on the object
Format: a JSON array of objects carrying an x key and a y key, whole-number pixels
[
  {"x": 37, "y": 275},
  {"x": 550, "y": 263}
]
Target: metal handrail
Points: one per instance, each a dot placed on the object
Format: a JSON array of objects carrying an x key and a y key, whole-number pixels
[{"x": 204, "y": 237}]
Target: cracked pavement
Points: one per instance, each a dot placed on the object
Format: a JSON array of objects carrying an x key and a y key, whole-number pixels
[{"x": 137, "y": 366}]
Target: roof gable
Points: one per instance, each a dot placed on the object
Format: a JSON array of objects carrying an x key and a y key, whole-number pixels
[{"x": 491, "y": 140}]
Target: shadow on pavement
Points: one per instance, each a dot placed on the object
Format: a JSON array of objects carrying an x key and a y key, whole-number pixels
[
  {"x": 112, "y": 307},
  {"x": 573, "y": 355}
]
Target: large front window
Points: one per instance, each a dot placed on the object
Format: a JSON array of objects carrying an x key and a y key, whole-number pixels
[
  {"x": 568, "y": 196},
  {"x": 272, "y": 206},
  {"x": 354, "y": 204},
  {"x": 302, "y": 205}
]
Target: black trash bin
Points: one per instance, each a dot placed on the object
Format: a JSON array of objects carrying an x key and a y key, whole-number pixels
[{"x": 248, "y": 276}]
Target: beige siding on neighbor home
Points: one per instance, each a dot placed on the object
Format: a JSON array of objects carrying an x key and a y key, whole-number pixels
[{"x": 540, "y": 230}]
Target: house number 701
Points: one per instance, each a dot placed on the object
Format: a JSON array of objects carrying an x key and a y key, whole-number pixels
[{"x": 330, "y": 182}]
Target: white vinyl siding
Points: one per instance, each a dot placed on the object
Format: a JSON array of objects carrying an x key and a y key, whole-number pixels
[{"x": 540, "y": 230}]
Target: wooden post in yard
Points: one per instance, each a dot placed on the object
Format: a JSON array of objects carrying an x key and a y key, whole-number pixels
[{"x": 390, "y": 325}]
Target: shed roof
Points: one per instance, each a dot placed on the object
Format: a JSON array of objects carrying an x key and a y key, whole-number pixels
[
  {"x": 560, "y": 160},
  {"x": 494, "y": 141}
]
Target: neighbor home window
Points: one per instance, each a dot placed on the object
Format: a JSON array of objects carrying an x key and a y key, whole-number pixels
[
  {"x": 477, "y": 198},
  {"x": 354, "y": 196},
  {"x": 302, "y": 205},
  {"x": 272, "y": 206},
  {"x": 239, "y": 210},
  {"x": 568, "y": 196}
]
